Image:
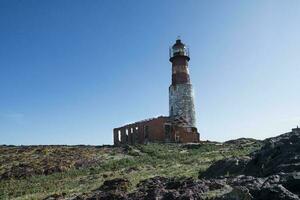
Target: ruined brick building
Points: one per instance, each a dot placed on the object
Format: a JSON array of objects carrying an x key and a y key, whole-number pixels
[{"x": 180, "y": 125}]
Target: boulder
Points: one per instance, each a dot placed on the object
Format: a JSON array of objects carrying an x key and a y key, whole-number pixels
[
  {"x": 237, "y": 193},
  {"x": 279, "y": 154},
  {"x": 290, "y": 181},
  {"x": 169, "y": 188},
  {"x": 115, "y": 184},
  {"x": 276, "y": 192},
  {"x": 226, "y": 167},
  {"x": 270, "y": 173}
]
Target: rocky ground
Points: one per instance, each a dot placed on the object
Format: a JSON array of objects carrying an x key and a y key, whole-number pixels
[{"x": 237, "y": 169}]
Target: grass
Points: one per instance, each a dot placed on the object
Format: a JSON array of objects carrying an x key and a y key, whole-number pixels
[{"x": 134, "y": 163}]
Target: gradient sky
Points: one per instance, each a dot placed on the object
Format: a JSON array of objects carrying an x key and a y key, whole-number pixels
[{"x": 71, "y": 71}]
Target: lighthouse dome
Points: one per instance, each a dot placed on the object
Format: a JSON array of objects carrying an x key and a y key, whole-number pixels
[{"x": 179, "y": 49}]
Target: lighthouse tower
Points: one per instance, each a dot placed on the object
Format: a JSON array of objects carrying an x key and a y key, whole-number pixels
[
  {"x": 180, "y": 125},
  {"x": 181, "y": 98}
]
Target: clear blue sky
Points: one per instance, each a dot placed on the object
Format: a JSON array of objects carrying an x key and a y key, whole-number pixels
[{"x": 71, "y": 71}]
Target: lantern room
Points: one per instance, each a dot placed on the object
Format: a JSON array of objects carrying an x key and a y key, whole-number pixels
[{"x": 179, "y": 49}]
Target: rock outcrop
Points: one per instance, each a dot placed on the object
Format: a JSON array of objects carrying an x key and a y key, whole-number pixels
[
  {"x": 251, "y": 169},
  {"x": 227, "y": 167},
  {"x": 279, "y": 154},
  {"x": 277, "y": 187},
  {"x": 273, "y": 173}
]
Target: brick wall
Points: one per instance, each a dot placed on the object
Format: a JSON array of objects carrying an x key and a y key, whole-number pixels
[{"x": 151, "y": 130}]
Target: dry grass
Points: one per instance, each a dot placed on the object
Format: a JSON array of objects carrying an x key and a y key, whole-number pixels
[{"x": 84, "y": 168}]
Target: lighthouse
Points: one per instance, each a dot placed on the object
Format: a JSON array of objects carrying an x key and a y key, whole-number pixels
[
  {"x": 180, "y": 125},
  {"x": 181, "y": 95}
]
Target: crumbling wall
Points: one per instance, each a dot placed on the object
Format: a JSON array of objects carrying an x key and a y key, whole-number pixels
[
  {"x": 151, "y": 130},
  {"x": 161, "y": 129},
  {"x": 186, "y": 135}
]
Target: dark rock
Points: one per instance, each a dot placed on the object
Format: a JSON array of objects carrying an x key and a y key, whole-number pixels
[
  {"x": 279, "y": 154},
  {"x": 226, "y": 167},
  {"x": 111, "y": 189},
  {"x": 115, "y": 184},
  {"x": 290, "y": 181},
  {"x": 276, "y": 192},
  {"x": 107, "y": 196},
  {"x": 170, "y": 195},
  {"x": 253, "y": 184},
  {"x": 53, "y": 169},
  {"x": 240, "y": 188},
  {"x": 21, "y": 170},
  {"x": 153, "y": 183},
  {"x": 248, "y": 187},
  {"x": 215, "y": 184},
  {"x": 278, "y": 162},
  {"x": 169, "y": 188},
  {"x": 55, "y": 197},
  {"x": 237, "y": 193},
  {"x": 84, "y": 163}
]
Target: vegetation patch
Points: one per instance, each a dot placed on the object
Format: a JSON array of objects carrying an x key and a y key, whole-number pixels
[{"x": 35, "y": 172}]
